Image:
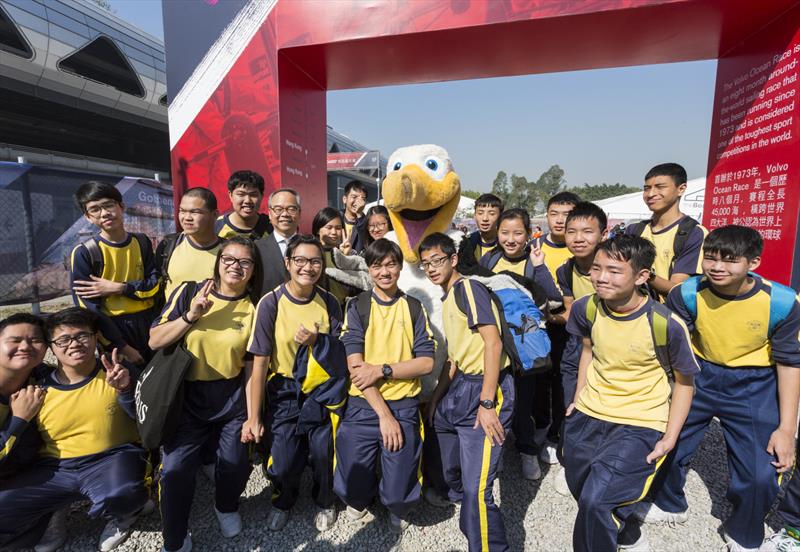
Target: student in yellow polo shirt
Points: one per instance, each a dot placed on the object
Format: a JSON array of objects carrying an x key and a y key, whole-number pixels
[
  {"x": 246, "y": 192},
  {"x": 623, "y": 419},
  {"x": 386, "y": 357}
]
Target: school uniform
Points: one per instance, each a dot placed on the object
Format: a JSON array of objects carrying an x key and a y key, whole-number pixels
[
  {"x": 225, "y": 229},
  {"x": 666, "y": 264},
  {"x": 278, "y": 317},
  {"x": 214, "y": 410},
  {"x": 89, "y": 451},
  {"x": 620, "y": 415},
  {"x": 575, "y": 284},
  {"x": 469, "y": 460},
  {"x": 481, "y": 247},
  {"x": 189, "y": 263},
  {"x": 19, "y": 440},
  {"x": 355, "y": 231},
  {"x": 125, "y": 318},
  {"x": 526, "y": 395},
  {"x": 391, "y": 336},
  {"x": 737, "y": 385}
]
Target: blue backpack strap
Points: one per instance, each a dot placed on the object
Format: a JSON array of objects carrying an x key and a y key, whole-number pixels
[
  {"x": 689, "y": 289},
  {"x": 781, "y": 301}
]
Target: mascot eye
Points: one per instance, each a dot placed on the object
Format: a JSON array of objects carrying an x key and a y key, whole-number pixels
[
  {"x": 432, "y": 164},
  {"x": 436, "y": 167},
  {"x": 397, "y": 165}
]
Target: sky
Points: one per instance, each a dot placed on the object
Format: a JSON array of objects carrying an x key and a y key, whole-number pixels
[{"x": 607, "y": 125}]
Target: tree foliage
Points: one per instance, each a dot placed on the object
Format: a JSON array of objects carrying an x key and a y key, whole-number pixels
[
  {"x": 472, "y": 194},
  {"x": 597, "y": 192}
]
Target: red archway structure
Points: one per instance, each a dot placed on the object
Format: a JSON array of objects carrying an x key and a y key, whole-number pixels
[{"x": 247, "y": 82}]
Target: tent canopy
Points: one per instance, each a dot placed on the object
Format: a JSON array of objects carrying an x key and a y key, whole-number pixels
[{"x": 630, "y": 207}]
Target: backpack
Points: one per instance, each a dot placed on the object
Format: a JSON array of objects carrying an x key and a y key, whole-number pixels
[
  {"x": 685, "y": 227},
  {"x": 164, "y": 254},
  {"x": 96, "y": 255},
  {"x": 781, "y": 300},
  {"x": 658, "y": 315},
  {"x": 522, "y": 327},
  {"x": 364, "y": 305}
]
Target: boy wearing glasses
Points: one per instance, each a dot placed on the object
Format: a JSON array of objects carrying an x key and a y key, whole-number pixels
[
  {"x": 90, "y": 450},
  {"x": 195, "y": 250},
  {"x": 114, "y": 274},
  {"x": 473, "y": 403},
  {"x": 389, "y": 347}
]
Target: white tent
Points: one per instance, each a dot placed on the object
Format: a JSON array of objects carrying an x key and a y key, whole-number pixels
[{"x": 630, "y": 207}]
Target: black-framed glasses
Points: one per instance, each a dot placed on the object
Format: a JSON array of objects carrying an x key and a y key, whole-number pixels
[
  {"x": 95, "y": 210},
  {"x": 434, "y": 262},
  {"x": 63, "y": 342},
  {"x": 290, "y": 210},
  {"x": 378, "y": 225},
  {"x": 300, "y": 262},
  {"x": 245, "y": 264}
]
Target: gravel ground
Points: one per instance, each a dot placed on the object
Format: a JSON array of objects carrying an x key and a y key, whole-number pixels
[{"x": 536, "y": 518}]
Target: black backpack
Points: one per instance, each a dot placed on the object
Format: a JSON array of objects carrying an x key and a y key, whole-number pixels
[
  {"x": 364, "y": 305},
  {"x": 685, "y": 227},
  {"x": 96, "y": 255}
]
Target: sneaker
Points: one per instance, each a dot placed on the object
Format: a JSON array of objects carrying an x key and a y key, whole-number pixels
[
  {"x": 540, "y": 436},
  {"x": 641, "y": 545},
  {"x": 230, "y": 523},
  {"x": 734, "y": 546},
  {"x": 55, "y": 535},
  {"x": 325, "y": 519},
  {"x": 185, "y": 547},
  {"x": 434, "y": 498},
  {"x": 114, "y": 533},
  {"x": 781, "y": 541},
  {"x": 397, "y": 524},
  {"x": 210, "y": 471},
  {"x": 560, "y": 483},
  {"x": 548, "y": 454},
  {"x": 530, "y": 467},
  {"x": 648, "y": 512},
  {"x": 277, "y": 519},
  {"x": 359, "y": 516}
]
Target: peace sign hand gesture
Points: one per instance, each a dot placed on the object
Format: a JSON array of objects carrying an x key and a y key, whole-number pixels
[
  {"x": 117, "y": 376},
  {"x": 201, "y": 304}
]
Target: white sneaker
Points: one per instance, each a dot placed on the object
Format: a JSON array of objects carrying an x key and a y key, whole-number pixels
[
  {"x": 325, "y": 519},
  {"x": 640, "y": 545},
  {"x": 781, "y": 541},
  {"x": 55, "y": 535},
  {"x": 434, "y": 498},
  {"x": 549, "y": 455},
  {"x": 560, "y": 483},
  {"x": 530, "y": 467},
  {"x": 114, "y": 533},
  {"x": 540, "y": 436},
  {"x": 210, "y": 471},
  {"x": 648, "y": 512},
  {"x": 397, "y": 524},
  {"x": 359, "y": 516},
  {"x": 734, "y": 546},
  {"x": 185, "y": 547},
  {"x": 230, "y": 523}
]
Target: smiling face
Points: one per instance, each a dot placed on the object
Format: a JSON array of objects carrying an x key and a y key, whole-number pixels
[
  {"x": 582, "y": 236},
  {"x": 614, "y": 279},
  {"x": 22, "y": 347},
  {"x": 235, "y": 266},
  {"x": 513, "y": 237},
  {"x": 385, "y": 273},
  {"x": 73, "y": 346},
  {"x": 725, "y": 272},
  {"x": 421, "y": 192},
  {"x": 107, "y": 214},
  {"x": 194, "y": 216},
  {"x": 661, "y": 193},
  {"x": 377, "y": 226},
  {"x": 305, "y": 264},
  {"x": 246, "y": 200},
  {"x": 331, "y": 235}
]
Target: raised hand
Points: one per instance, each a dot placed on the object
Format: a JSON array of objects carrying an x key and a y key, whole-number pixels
[
  {"x": 201, "y": 303},
  {"x": 537, "y": 256},
  {"x": 117, "y": 376}
]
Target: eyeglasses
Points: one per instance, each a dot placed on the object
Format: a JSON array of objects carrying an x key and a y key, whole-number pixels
[
  {"x": 63, "y": 342},
  {"x": 95, "y": 210},
  {"x": 195, "y": 212},
  {"x": 433, "y": 263},
  {"x": 290, "y": 210},
  {"x": 245, "y": 264},
  {"x": 300, "y": 262},
  {"x": 377, "y": 226}
]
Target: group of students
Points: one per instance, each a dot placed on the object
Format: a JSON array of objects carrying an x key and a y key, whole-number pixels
[{"x": 654, "y": 332}]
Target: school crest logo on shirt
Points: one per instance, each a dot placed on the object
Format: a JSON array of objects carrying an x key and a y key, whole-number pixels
[
  {"x": 754, "y": 325},
  {"x": 238, "y": 326},
  {"x": 111, "y": 409}
]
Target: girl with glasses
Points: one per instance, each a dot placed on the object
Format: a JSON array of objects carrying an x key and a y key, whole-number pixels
[
  {"x": 378, "y": 223},
  {"x": 214, "y": 322}
]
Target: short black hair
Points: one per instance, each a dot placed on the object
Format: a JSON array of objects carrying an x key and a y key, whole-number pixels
[
  {"x": 489, "y": 200},
  {"x": 73, "y": 316},
  {"x": 516, "y": 213},
  {"x": 673, "y": 170},
  {"x": 245, "y": 179},
  {"x": 256, "y": 276},
  {"x": 22, "y": 318},
  {"x": 323, "y": 217},
  {"x": 305, "y": 239},
  {"x": 205, "y": 194},
  {"x": 356, "y": 185},
  {"x": 381, "y": 248},
  {"x": 437, "y": 239},
  {"x": 564, "y": 198},
  {"x": 635, "y": 250},
  {"x": 586, "y": 210},
  {"x": 95, "y": 191},
  {"x": 734, "y": 241}
]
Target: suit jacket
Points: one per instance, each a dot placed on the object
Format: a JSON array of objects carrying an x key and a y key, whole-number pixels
[{"x": 272, "y": 264}]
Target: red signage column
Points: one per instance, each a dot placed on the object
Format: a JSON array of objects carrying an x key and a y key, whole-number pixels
[{"x": 754, "y": 167}]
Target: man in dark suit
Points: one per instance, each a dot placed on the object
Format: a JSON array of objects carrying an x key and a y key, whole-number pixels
[{"x": 284, "y": 214}]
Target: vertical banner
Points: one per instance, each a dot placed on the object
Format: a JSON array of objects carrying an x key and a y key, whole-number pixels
[{"x": 754, "y": 166}]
